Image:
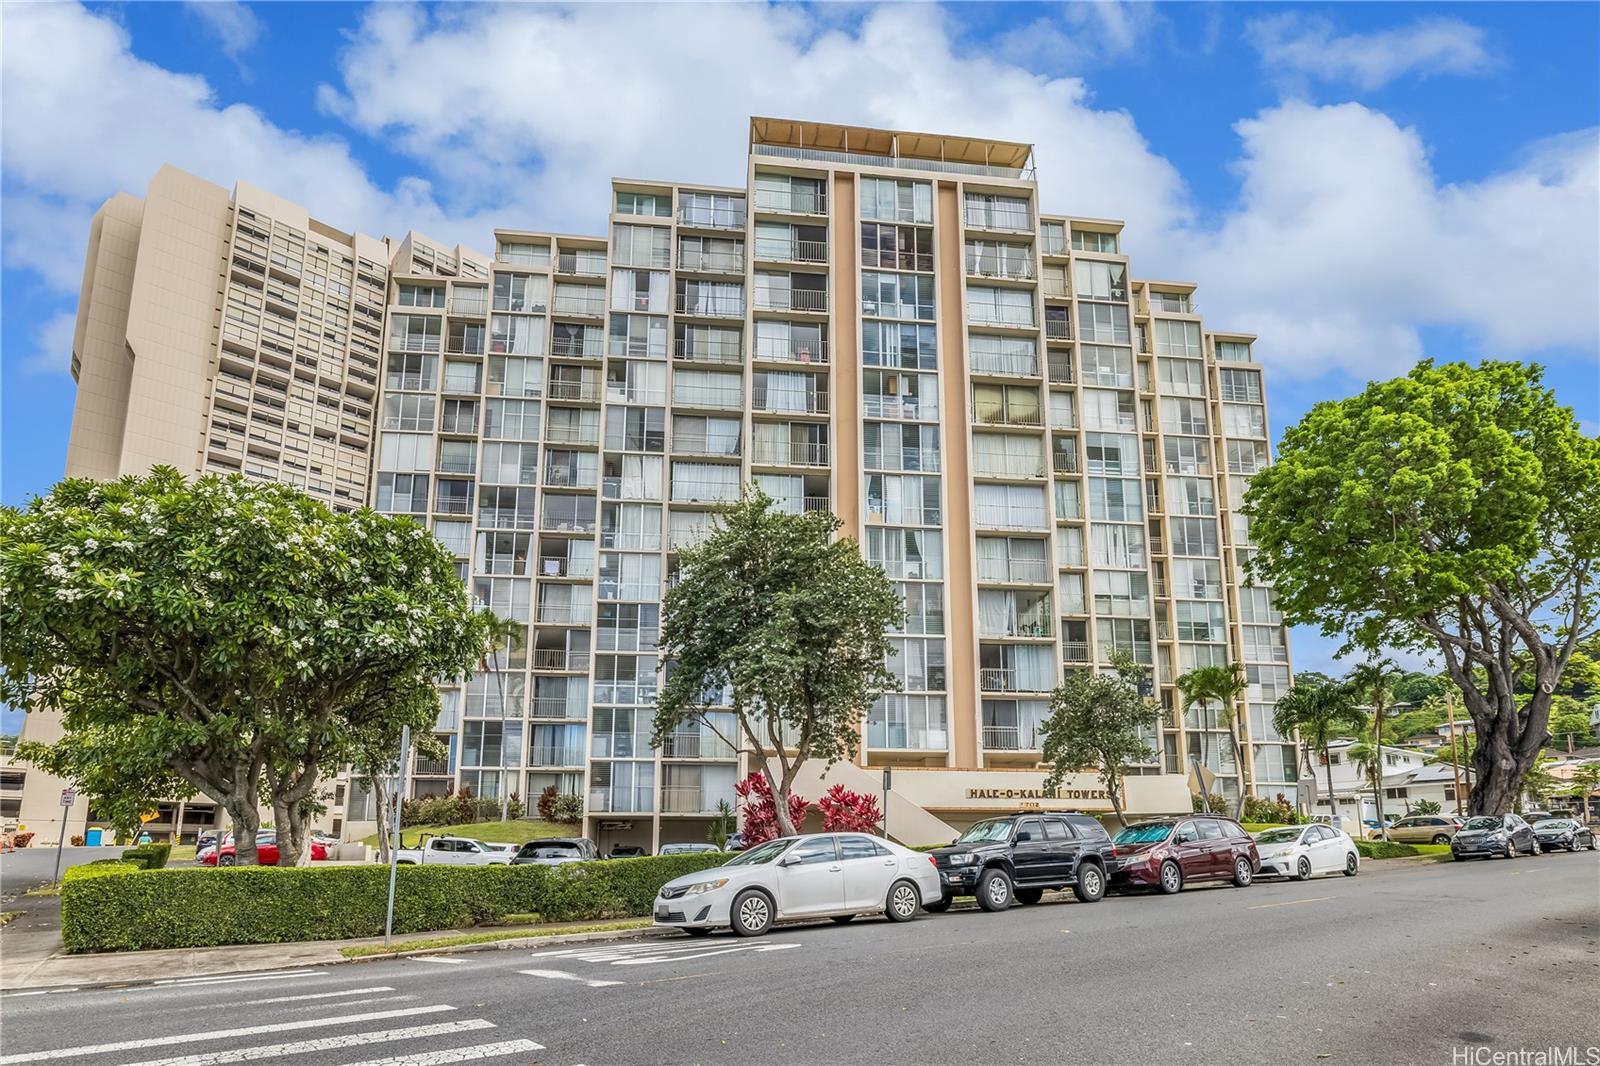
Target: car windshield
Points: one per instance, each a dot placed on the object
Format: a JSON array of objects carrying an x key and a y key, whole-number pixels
[
  {"x": 1154, "y": 833},
  {"x": 762, "y": 853},
  {"x": 1482, "y": 823},
  {"x": 1286, "y": 835},
  {"x": 1553, "y": 823},
  {"x": 986, "y": 831},
  {"x": 548, "y": 851}
]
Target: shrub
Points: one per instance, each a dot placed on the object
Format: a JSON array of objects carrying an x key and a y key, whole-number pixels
[
  {"x": 148, "y": 856},
  {"x": 1219, "y": 805},
  {"x": 21, "y": 840},
  {"x": 268, "y": 905},
  {"x": 844, "y": 811},
  {"x": 515, "y": 808},
  {"x": 1384, "y": 849},
  {"x": 100, "y": 868},
  {"x": 1277, "y": 811},
  {"x": 760, "y": 809},
  {"x": 76, "y": 840},
  {"x": 547, "y": 803},
  {"x": 567, "y": 809},
  {"x": 1425, "y": 807}
]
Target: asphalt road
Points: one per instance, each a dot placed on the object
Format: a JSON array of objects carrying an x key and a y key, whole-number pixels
[
  {"x": 1401, "y": 964},
  {"x": 26, "y": 867}
]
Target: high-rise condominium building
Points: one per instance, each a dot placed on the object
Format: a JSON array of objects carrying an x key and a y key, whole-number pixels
[{"x": 1045, "y": 455}]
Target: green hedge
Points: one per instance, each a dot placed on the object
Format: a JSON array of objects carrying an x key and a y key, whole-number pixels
[
  {"x": 1384, "y": 849},
  {"x": 201, "y": 907},
  {"x": 148, "y": 856},
  {"x": 100, "y": 868}
]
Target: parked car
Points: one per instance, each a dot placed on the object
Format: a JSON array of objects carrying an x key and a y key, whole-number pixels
[
  {"x": 266, "y": 852},
  {"x": 1169, "y": 853},
  {"x": 1535, "y": 817},
  {"x": 736, "y": 842},
  {"x": 627, "y": 851},
  {"x": 555, "y": 851},
  {"x": 1422, "y": 829},
  {"x": 1494, "y": 834},
  {"x": 820, "y": 875},
  {"x": 1302, "y": 851},
  {"x": 1001, "y": 860},
  {"x": 687, "y": 849},
  {"x": 451, "y": 851},
  {"x": 1564, "y": 833}
]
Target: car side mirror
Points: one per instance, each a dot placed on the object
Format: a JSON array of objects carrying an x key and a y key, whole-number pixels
[{"x": 788, "y": 860}]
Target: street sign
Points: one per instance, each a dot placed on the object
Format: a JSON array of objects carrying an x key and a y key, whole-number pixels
[
  {"x": 886, "y": 779},
  {"x": 149, "y": 816},
  {"x": 68, "y": 797}
]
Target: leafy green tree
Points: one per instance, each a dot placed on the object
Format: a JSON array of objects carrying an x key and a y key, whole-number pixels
[
  {"x": 1415, "y": 688},
  {"x": 1423, "y": 719},
  {"x": 792, "y": 621},
  {"x": 1568, "y": 719},
  {"x": 1373, "y": 681},
  {"x": 1425, "y": 807},
  {"x": 1585, "y": 782},
  {"x": 1224, "y": 686},
  {"x": 1321, "y": 710},
  {"x": 1454, "y": 509},
  {"x": 239, "y": 634},
  {"x": 1100, "y": 720},
  {"x": 1539, "y": 784}
]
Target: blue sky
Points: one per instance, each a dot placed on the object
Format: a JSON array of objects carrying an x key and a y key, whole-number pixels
[{"x": 1360, "y": 184}]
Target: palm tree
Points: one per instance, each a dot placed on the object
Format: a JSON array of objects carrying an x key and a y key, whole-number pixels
[
  {"x": 1320, "y": 709},
  {"x": 1224, "y": 686},
  {"x": 1374, "y": 682},
  {"x": 1367, "y": 756}
]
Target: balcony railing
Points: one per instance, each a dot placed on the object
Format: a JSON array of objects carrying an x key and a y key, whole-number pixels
[
  {"x": 790, "y": 352},
  {"x": 807, "y": 403},
  {"x": 1015, "y": 570},
  {"x": 586, "y": 265},
  {"x": 791, "y": 454},
  {"x": 1075, "y": 651},
  {"x": 900, "y": 407},
  {"x": 1064, "y": 462},
  {"x": 1010, "y": 269},
  {"x": 1061, "y": 371},
  {"x": 997, "y": 679},
  {"x": 564, "y": 613},
  {"x": 865, "y": 159},
  {"x": 621, "y": 800},
  {"x": 701, "y": 745},
  {"x": 545, "y": 756},
  {"x": 581, "y": 391},
  {"x": 725, "y": 396},
  {"x": 796, "y": 251},
  {"x": 574, "y": 305},
  {"x": 711, "y": 307},
  {"x": 506, "y": 517},
  {"x": 791, "y": 299},
  {"x": 565, "y": 477},
  {"x": 1057, "y": 330},
  {"x": 711, "y": 262},
  {"x": 1010, "y": 738},
  {"x": 796, "y": 202},
  {"x": 989, "y": 315},
  {"x": 707, "y": 354},
  {"x": 569, "y": 434},
  {"x": 1034, "y": 417},
  {"x": 555, "y": 707},
  {"x": 560, "y": 660},
  {"x": 1019, "y": 364},
  {"x": 692, "y": 799},
  {"x": 712, "y": 217}
]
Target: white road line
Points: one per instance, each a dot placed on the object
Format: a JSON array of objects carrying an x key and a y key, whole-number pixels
[
  {"x": 1290, "y": 902},
  {"x": 457, "y": 1054},
  {"x": 686, "y": 955},
  {"x": 439, "y": 961},
  {"x": 40, "y": 992},
  {"x": 205, "y": 982},
  {"x": 646, "y": 955},
  {"x": 566, "y": 975},
  {"x": 302, "y": 1047},
  {"x": 318, "y": 995},
  {"x": 219, "y": 1034}
]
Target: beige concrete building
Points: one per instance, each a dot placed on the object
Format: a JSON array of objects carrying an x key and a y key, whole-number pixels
[{"x": 1044, "y": 453}]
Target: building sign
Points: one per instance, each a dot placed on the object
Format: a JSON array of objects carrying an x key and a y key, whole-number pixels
[{"x": 1038, "y": 794}]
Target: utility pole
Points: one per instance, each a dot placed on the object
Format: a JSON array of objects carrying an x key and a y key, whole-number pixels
[
  {"x": 394, "y": 849},
  {"x": 1455, "y": 766}
]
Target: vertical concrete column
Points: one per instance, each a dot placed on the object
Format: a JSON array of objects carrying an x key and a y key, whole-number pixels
[{"x": 845, "y": 360}]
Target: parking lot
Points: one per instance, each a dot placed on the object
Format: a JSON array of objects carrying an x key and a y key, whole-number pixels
[{"x": 1399, "y": 964}]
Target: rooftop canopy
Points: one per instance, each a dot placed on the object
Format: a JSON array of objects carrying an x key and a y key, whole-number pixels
[{"x": 894, "y": 144}]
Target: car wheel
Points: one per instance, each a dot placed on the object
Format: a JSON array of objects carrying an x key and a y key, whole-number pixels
[
  {"x": 1243, "y": 872},
  {"x": 227, "y": 860},
  {"x": 1091, "y": 886},
  {"x": 697, "y": 931},
  {"x": 938, "y": 906},
  {"x": 1593, "y": 844},
  {"x": 1536, "y": 849},
  {"x": 1441, "y": 838},
  {"x": 994, "y": 890},
  {"x": 1030, "y": 895},
  {"x": 1171, "y": 877},
  {"x": 1511, "y": 849},
  {"x": 1302, "y": 869},
  {"x": 901, "y": 906},
  {"x": 752, "y": 913},
  {"x": 1352, "y": 865}
]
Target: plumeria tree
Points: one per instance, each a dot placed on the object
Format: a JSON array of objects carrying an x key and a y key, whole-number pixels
[
  {"x": 791, "y": 622},
  {"x": 240, "y": 635}
]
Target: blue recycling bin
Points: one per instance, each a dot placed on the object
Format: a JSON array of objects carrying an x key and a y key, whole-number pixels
[{"x": 91, "y": 837}]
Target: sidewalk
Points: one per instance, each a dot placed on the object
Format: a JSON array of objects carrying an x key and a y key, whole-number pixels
[{"x": 40, "y": 963}]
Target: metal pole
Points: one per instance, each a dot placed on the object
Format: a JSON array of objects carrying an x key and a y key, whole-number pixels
[
  {"x": 394, "y": 848},
  {"x": 62, "y": 839},
  {"x": 1455, "y": 769},
  {"x": 886, "y": 783}
]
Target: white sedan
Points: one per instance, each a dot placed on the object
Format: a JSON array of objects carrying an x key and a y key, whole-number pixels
[
  {"x": 823, "y": 875},
  {"x": 1302, "y": 851}
]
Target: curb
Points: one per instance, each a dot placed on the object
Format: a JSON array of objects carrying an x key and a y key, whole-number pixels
[{"x": 506, "y": 944}]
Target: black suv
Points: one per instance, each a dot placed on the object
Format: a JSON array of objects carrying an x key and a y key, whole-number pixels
[{"x": 1021, "y": 855}]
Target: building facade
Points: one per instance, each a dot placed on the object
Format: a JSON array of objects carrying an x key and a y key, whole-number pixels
[{"x": 1045, "y": 454}]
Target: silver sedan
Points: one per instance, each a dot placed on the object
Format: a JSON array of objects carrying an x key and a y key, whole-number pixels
[{"x": 822, "y": 875}]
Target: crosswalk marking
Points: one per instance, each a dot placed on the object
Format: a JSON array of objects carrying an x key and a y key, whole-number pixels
[
  {"x": 458, "y": 1054},
  {"x": 567, "y": 975},
  {"x": 322, "y": 995},
  {"x": 301, "y": 1047},
  {"x": 647, "y": 954},
  {"x": 219, "y": 1034}
]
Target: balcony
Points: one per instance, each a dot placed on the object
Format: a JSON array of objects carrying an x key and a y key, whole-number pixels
[
  {"x": 1061, "y": 371},
  {"x": 794, "y": 201},
  {"x": 1007, "y": 364},
  {"x": 705, "y": 217},
  {"x": 778, "y": 351},
  {"x": 1064, "y": 462},
  {"x": 989, "y": 315},
  {"x": 711, "y": 307},
  {"x": 570, "y": 614},
  {"x": 1075, "y": 651},
  {"x": 1010, "y": 738},
  {"x": 547, "y": 756},
  {"x": 724, "y": 355},
  {"x": 791, "y": 300},
  {"x": 579, "y": 391},
  {"x": 638, "y": 800},
  {"x": 781, "y": 453},
  {"x": 723, "y": 397},
  {"x": 695, "y": 745},
  {"x": 792, "y": 251},
  {"x": 710, "y": 262},
  {"x": 866, "y": 159},
  {"x": 1025, "y": 417},
  {"x": 692, "y": 799},
  {"x": 997, "y": 679},
  {"x": 560, "y": 660},
  {"x": 594, "y": 306},
  {"x": 590, "y": 265},
  {"x": 1015, "y": 571},
  {"x": 805, "y": 403}
]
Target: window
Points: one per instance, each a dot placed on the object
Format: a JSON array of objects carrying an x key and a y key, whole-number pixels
[
  {"x": 510, "y": 464},
  {"x": 888, "y": 200},
  {"x": 516, "y": 335},
  {"x": 1100, "y": 281},
  {"x": 1102, "y": 365},
  {"x": 511, "y": 419},
  {"x": 896, "y": 247},
  {"x": 1181, "y": 377},
  {"x": 1112, "y": 453},
  {"x": 1191, "y": 496},
  {"x": 1090, "y": 241},
  {"x": 408, "y": 412},
  {"x": 415, "y": 333},
  {"x": 1014, "y": 405},
  {"x": 412, "y": 295},
  {"x": 638, "y": 336},
  {"x": 992, "y": 354},
  {"x": 896, "y": 295},
  {"x": 907, "y": 553},
  {"x": 907, "y": 722},
  {"x": 987, "y": 306},
  {"x": 713, "y": 298},
  {"x": 1244, "y": 420},
  {"x": 1131, "y": 635},
  {"x": 521, "y": 292},
  {"x": 904, "y": 499},
  {"x": 1246, "y": 456},
  {"x": 641, "y": 246},
  {"x": 994, "y": 211},
  {"x": 634, "y": 429},
  {"x": 1117, "y": 547},
  {"x": 1178, "y": 338},
  {"x": 1121, "y": 592},
  {"x": 1010, "y": 507},
  {"x": 1052, "y": 238},
  {"x": 1233, "y": 352},
  {"x": 1107, "y": 323},
  {"x": 513, "y": 376},
  {"x": 523, "y": 253},
  {"x": 993, "y": 259},
  {"x": 911, "y": 347},
  {"x": 402, "y": 493},
  {"x": 718, "y": 210},
  {"x": 1187, "y": 455},
  {"x": 713, "y": 255},
  {"x": 1116, "y": 499},
  {"x": 658, "y": 205},
  {"x": 1180, "y": 415},
  {"x": 1193, "y": 536},
  {"x": 780, "y": 192},
  {"x": 1104, "y": 409}
]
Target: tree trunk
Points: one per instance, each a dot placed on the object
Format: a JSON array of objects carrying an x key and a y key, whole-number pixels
[
  {"x": 246, "y": 819},
  {"x": 1238, "y": 763},
  {"x": 1377, "y": 791},
  {"x": 380, "y": 805},
  {"x": 292, "y": 849},
  {"x": 1114, "y": 790},
  {"x": 780, "y": 798},
  {"x": 1333, "y": 802}
]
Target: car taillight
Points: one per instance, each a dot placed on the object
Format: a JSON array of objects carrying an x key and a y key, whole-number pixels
[{"x": 934, "y": 861}]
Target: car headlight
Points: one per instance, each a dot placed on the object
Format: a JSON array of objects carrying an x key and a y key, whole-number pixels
[
  {"x": 962, "y": 859},
  {"x": 705, "y": 886}
]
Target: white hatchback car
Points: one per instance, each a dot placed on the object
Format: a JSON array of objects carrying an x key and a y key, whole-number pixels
[
  {"x": 1301, "y": 851},
  {"x": 822, "y": 875}
]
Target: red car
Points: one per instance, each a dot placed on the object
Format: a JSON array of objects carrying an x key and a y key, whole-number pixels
[
  {"x": 1168, "y": 853},
  {"x": 266, "y": 852}
]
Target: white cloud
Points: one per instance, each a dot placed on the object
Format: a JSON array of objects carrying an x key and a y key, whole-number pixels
[
  {"x": 1301, "y": 47},
  {"x": 52, "y": 345},
  {"x": 231, "y": 22},
  {"x": 1079, "y": 35}
]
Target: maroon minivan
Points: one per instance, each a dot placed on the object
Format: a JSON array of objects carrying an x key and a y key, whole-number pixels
[{"x": 1168, "y": 853}]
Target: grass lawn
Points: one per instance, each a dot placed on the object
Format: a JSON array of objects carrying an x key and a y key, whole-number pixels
[
  {"x": 1433, "y": 849},
  {"x": 181, "y": 853},
  {"x": 516, "y": 832}
]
